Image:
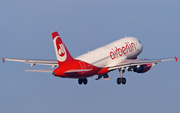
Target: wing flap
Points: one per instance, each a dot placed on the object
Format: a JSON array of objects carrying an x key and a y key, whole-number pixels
[{"x": 42, "y": 62}]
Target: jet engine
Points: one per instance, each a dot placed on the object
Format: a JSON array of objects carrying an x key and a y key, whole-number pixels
[{"x": 143, "y": 68}]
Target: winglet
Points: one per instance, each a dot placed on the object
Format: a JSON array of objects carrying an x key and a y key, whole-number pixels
[
  {"x": 3, "y": 59},
  {"x": 176, "y": 58}
]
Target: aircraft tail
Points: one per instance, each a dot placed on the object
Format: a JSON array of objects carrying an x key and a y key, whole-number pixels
[{"x": 62, "y": 54}]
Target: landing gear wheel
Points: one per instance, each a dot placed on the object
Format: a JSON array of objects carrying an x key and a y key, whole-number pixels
[
  {"x": 123, "y": 81},
  {"x": 118, "y": 80},
  {"x": 80, "y": 81},
  {"x": 85, "y": 81}
]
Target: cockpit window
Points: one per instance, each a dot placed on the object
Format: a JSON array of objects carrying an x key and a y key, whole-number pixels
[{"x": 139, "y": 41}]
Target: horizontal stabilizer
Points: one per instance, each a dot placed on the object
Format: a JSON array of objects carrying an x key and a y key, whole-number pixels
[
  {"x": 77, "y": 70},
  {"x": 41, "y": 70}
]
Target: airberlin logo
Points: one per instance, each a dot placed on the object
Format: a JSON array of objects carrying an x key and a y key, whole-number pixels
[
  {"x": 129, "y": 47},
  {"x": 60, "y": 49}
]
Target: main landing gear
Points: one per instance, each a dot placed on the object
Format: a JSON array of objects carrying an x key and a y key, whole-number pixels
[
  {"x": 82, "y": 80},
  {"x": 121, "y": 79}
]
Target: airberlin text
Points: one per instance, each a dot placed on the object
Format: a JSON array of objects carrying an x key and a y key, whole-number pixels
[{"x": 129, "y": 47}]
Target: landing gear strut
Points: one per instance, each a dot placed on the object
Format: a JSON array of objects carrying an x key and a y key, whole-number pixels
[
  {"x": 82, "y": 80},
  {"x": 121, "y": 79}
]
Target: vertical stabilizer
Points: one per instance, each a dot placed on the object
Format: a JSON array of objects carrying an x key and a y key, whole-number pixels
[{"x": 62, "y": 54}]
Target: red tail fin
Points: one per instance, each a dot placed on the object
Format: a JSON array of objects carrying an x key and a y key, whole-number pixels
[{"x": 62, "y": 54}]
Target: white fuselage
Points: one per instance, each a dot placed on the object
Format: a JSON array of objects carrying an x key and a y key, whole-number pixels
[{"x": 125, "y": 48}]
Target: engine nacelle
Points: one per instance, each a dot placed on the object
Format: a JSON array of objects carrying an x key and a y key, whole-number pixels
[{"x": 143, "y": 68}]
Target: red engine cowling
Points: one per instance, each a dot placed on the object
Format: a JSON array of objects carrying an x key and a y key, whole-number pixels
[{"x": 143, "y": 68}]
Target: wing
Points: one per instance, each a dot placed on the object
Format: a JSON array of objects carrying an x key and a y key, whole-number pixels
[
  {"x": 54, "y": 63},
  {"x": 66, "y": 72},
  {"x": 130, "y": 62}
]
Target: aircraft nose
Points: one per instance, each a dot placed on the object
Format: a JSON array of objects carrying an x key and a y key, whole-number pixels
[{"x": 141, "y": 47}]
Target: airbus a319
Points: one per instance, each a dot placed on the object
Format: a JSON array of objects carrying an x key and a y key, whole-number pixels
[{"x": 121, "y": 54}]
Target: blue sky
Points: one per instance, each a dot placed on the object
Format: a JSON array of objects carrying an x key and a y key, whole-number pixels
[{"x": 84, "y": 25}]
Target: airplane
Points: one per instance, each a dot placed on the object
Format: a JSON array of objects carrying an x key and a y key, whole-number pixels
[{"x": 121, "y": 54}]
